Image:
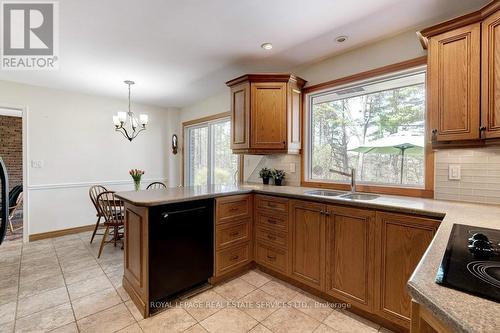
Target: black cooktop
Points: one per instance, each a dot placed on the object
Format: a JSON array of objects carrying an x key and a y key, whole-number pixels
[{"x": 471, "y": 262}]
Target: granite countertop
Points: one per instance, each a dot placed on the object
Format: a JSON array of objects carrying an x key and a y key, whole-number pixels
[{"x": 460, "y": 311}]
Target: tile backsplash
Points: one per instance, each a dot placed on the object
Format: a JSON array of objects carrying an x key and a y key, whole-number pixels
[
  {"x": 480, "y": 175},
  {"x": 283, "y": 162}
]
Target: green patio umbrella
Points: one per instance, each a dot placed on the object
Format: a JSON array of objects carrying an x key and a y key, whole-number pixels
[{"x": 395, "y": 144}]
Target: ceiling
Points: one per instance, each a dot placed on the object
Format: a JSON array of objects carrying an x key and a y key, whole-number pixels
[{"x": 179, "y": 52}]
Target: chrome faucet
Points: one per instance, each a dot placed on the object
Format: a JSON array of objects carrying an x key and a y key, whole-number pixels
[{"x": 351, "y": 175}]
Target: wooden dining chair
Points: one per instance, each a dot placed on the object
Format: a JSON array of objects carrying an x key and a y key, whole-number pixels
[
  {"x": 94, "y": 192},
  {"x": 156, "y": 185},
  {"x": 113, "y": 211},
  {"x": 12, "y": 211}
]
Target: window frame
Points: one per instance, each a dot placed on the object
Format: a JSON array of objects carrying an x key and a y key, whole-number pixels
[
  {"x": 199, "y": 123},
  {"x": 427, "y": 191}
]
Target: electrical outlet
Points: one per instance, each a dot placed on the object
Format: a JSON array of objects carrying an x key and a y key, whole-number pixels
[
  {"x": 454, "y": 172},
  {"x": 36, "y": 164},
  {"x": 292, "y": 167}
]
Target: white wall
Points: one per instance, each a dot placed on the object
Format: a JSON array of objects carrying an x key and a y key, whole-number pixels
[
  {"x": 74, "y": 136},
  {"x": 395, "y": 49},
  {"x": 398, "y": 48},
  {"x": 215, "y": 104}
]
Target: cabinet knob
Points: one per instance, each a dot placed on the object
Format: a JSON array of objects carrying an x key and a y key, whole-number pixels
[
  {"x": 434, "y": 134},
  {"x": 482, "y": 129}
]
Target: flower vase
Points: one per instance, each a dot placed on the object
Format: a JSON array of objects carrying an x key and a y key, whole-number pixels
[{"x": 137, "y": 184}]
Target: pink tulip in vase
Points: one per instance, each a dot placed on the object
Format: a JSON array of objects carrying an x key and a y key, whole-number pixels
[{"x": 136, "y": 176}]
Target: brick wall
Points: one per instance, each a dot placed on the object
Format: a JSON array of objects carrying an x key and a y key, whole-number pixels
[{"x": 11, "y": 147}]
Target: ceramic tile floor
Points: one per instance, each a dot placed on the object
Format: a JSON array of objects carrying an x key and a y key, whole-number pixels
[{"x": 59, "y": 285}]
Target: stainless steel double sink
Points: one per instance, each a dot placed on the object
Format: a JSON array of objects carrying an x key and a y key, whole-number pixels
[{"x": 343, "y": 195}]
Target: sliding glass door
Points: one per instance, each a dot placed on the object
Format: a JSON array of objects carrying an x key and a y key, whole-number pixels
[{"x": 209, "y": 159}]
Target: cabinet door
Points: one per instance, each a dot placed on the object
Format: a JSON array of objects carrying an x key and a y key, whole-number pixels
[
  {"x": 401, "y": 241},
  {"x": 349, "y": 255},
  {"x": 490, "y": 65},
  {"x": 454, "y": 84},
  {"x": 308, "y": 243},
  {"x": 268, "y": 115},
  {"x": 240, "y": 116}
]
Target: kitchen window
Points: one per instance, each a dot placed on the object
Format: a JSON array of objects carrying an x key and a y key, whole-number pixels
[
  {"x": 376, "y": 126},
  {"x": 208, "y": 158}
]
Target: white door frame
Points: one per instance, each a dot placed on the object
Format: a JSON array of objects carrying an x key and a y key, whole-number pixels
[{"x": 21, "y": 111}]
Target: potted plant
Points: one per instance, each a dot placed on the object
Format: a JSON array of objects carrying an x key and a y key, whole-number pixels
[
  {"x": 136, "y": 176},
  {"x": 278, "y": 176},
  {"x": 265, "y": 174}
]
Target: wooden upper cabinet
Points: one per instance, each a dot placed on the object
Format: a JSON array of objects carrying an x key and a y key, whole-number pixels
[
  {"x": 401, "y": 241},
  {"x": 240, "y": 114},
  {"x": 464, "y": 78},
  {"x": 266, "y": 113},
  {"x": 490, "y": 65},
  {"x": 454, "y": 84},
  {"x": 307, "y": 222},
  {"x": 350, "y": 255}
]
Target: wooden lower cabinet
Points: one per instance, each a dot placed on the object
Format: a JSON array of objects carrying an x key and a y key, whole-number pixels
[
  {"x": 232, "y": 258},
  {"x": 354, "y": 255},
  {"x": 423, "y": 321},
  {"x": 233, "y": 236},
  {"x": 272, "y": 257},
  {"x": 350, "y": 245},
  {"x": 401, "y": 242},
  {"x": 271, "y": 233},
  {"x": 307, "y": 222}
]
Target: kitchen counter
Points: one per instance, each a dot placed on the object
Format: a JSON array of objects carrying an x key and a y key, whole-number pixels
[
  {"x": 460, "y": 311},
  {"x": 149, "y": 198}
]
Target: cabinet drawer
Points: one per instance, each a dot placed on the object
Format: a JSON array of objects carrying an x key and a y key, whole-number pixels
[
  {"x": 275, "y": 222},
  {"x": 271, "y": 257},
  {"x": 232, "y": 258},
  {"x": 271, "y": 236},
  {"x": 232, "y": 233},
  {"x": 279, "y": 205},
  {"x": 233, "y": 207}
]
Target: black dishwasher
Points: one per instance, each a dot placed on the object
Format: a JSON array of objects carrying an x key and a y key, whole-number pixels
[{"x": 181, "y": 247}]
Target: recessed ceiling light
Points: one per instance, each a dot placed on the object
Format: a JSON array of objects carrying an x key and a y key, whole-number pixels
[
  {"x": 267, "y": 46},
  {"x": 341, "y": 39}
]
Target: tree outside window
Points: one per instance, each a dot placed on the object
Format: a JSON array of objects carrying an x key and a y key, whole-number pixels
[{"x": 389, "y": 111}]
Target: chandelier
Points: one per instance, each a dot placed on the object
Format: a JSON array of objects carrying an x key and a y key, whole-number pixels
[{"x": 122, "y": 119}]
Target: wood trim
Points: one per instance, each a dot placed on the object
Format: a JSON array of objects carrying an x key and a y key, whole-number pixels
[
  {"x": 195, "y": 122},
  {"x": 423, "y": 321},
  {"x": 206, "y": 119},
  {"x": 59, "y": 233},
  {"x": 458, "y": 22},
  {"x": 241, "y": 162},
  {"x": 415, "y": 62},
  {"x": 428, "y": 190},
  {"x": 266, "y": 77}
]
